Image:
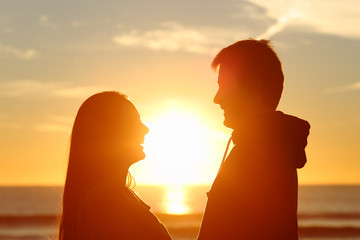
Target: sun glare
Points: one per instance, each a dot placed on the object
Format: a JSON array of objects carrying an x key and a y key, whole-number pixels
[{"x": 176, "y": 148}]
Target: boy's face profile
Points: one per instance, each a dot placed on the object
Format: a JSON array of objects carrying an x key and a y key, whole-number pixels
[{"x": 236, "y": 97}]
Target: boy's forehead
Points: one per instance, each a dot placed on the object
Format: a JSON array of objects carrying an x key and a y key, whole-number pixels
[{"x": 227, "y": 74}]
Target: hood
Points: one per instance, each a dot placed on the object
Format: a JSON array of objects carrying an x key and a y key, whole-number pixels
[{"x": 292, "y": 132}]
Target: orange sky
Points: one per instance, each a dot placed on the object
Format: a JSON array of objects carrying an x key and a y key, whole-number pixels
[{"x": 53, "y": 57}]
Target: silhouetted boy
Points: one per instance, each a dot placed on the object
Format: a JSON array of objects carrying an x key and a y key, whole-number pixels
[{"x": 254, "y": 195}]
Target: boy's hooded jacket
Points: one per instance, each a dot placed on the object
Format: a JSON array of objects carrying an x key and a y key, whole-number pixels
[{"x": 254, "y": 195}]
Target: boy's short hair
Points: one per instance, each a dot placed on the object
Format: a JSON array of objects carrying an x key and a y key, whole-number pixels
[{"x": 255, "y": 58}]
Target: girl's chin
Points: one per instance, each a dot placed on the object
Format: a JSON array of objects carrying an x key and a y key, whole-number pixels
[
  {"x": 133, "y": 155},
  {"x": 138, "y": 156},
  {"x": 141, "y": 155}
]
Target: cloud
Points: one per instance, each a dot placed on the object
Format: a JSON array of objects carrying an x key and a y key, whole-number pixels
[
  {"x": 77, "y": 92},
  {"x": 44, "y": 19},
  {"x": 55, "y": 124},
  {"x": 346, "y": 88},
  {"x": 52, "y": 127},
  {"x": 50, "y": 124},
  {"x": 3, "y": 116},
  {"x": 78, "y": 23},
  {"x": 176, "y": 37},
  {"x": 281, "y": 23},
  {"x": 60, "y": 119},
  {"x": 21, "y": 88},
  {"x": 8, "y": 125},
  {"x": 333, "y": 16},
  {"x": 27, "y": 54},
  {"x": 45, "y": 22}
]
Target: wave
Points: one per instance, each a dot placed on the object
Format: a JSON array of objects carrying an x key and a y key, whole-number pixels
[
  {"x": 9, "y": 220},
  {"x": 329, "y": 232},
  {"x": 192, "y": 231},
  {"x": 178, "y": 225},
  {"x": 25, "y": 237},
  {"x": 43, "y": 219},
  {"x": 313, "y": 232},
  {"x": 352, "y": 215}
]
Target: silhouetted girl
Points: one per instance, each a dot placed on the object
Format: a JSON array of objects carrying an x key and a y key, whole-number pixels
[{"x": 97, "y": 203}]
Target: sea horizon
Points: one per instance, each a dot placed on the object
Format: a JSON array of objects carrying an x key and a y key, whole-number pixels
[{"x": 163, "y": 184}]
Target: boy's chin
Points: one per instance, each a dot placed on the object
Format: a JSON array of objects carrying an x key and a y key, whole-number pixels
[{"x": 228, "y": 123}]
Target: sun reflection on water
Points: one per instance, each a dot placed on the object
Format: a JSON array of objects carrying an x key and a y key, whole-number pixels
[{"x": 175, "y": 200}]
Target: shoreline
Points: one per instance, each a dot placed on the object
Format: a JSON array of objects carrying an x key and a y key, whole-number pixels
[{"x": 179, "y": 226}]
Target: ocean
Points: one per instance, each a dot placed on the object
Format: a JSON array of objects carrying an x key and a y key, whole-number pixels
[{"x": 325, "y": 212}]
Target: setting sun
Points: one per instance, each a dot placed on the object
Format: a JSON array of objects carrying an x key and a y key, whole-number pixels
[
  {"x": 176, "y": 146},
  {"x": 179, "y": 149}
]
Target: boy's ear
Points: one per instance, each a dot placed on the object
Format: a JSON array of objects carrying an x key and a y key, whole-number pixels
[
  {"x": 251, "y": 84},
  {"x": 255, "y": 91}
]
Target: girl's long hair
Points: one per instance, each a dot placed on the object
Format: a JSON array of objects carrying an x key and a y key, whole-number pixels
[{"x": 100, "y": 119}]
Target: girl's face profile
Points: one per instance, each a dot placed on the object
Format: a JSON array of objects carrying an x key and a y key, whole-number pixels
[
  {"x": 130, "y": 137},
  {"x": 109, "y": 130}
]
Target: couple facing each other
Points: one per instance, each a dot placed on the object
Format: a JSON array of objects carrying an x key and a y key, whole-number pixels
[{"x": 254, "y": 195}]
